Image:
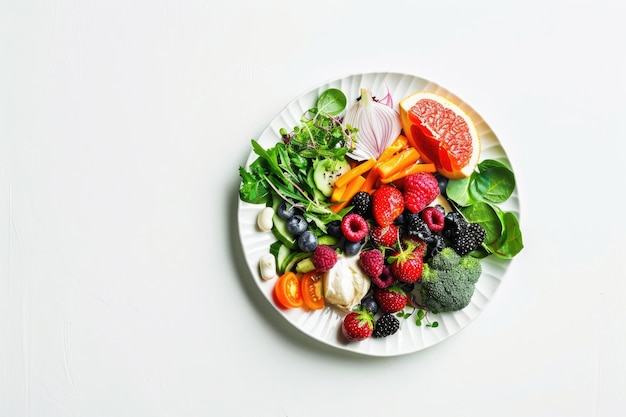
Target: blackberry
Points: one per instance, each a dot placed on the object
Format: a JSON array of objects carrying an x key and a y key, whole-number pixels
[
  {"x": 415, "y": 226},
  {"x": 386, "y": 325},
  {"x": 362, "y": 204},
  {"x": 469, "y": 239},
  {"x": 435, "y": 245},
  {"x": 453, "y": 225}
]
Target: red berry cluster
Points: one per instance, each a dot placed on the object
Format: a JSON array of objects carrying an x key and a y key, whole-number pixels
[{"x": 391, "y": 257}]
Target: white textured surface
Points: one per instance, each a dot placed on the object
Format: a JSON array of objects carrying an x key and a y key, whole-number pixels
[{"x": 123, "y": 288}]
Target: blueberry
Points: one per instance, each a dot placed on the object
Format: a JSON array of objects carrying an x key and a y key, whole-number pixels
[
  {"x": 352, "y": 248},
  {"x": 297, "y": 224},
  {"x": 307, "y": 242},
  {"x": 443, "y": 183},
  {"x": 285, "y": 212},
  {"x": 370, "y": 304},
  {"x": 334, "y": 228}
]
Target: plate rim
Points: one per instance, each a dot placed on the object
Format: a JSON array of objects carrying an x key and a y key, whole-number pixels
[{"x": 362, "y": 348}]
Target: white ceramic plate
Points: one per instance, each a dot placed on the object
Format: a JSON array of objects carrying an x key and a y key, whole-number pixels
[{"x": 324, "y": 325}]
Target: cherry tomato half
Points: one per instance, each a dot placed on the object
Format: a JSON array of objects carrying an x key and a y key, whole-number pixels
[
  {"x": 312, "y": 290},
  {"x": 288, "y": 291}
]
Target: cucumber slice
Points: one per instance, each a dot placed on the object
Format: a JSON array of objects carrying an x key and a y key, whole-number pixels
[
  {"x": 327, "y": 240},
  {"x": 293, "y": 259},
  {"x": 279, "y": 228},
  {"x": 281, "y": 258},
  {"x": 304, "y": 266},
  {"x": 326, "y": 171}
]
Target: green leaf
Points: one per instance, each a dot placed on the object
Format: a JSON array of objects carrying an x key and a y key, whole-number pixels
[
  {"x": 332, "y": 101},
  {"x": 487, "y": 216},
  {"x": 253, "y": 188},
  {"x": 458, "y": 191},
  {"x": 495, "y": 183},
  {"x": 511, "y": 243}
]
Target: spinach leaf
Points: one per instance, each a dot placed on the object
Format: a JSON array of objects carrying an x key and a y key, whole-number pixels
[
  {"x": 332, "y": 101},
  {"x": 511, "y": 242},
  {"x": 477, "y": 198},
  {"x": 458, "y": 191},
  {"x": 493, "y": 182}
]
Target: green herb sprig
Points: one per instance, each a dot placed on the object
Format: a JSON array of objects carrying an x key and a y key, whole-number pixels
[{"x": 284, "y": 170}]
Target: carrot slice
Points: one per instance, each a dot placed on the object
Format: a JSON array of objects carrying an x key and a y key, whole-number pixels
[
  {"x": 370, "y": 181},
  {"x": 398, "y": 162},
  {"x": 351, "y": 189},
  {"x": 351, "y": 174},
  {"x": 396, "y": 146},
  {"x": 413, "y": 169},
  {"x": 335, "y": 196}
]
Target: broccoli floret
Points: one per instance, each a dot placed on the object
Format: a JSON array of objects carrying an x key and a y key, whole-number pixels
[
  {"x": 446, "y": 259},
  {"x": 448, "y": 281}
]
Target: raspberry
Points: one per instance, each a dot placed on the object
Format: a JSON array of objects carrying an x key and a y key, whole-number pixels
[
  {"x": 372, "y": 262},
  {"x": 433, "y": 218},
  {"x": 324, "y": 258},
  {"x": 385, "y": 279},
  {"x": 420, "y": 190},
  {"x": 354, "y": 227},
  {"x": 362, "y": 203}
]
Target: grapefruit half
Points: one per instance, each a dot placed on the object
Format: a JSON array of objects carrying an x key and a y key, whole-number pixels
[{"x": 442, "y": 133}]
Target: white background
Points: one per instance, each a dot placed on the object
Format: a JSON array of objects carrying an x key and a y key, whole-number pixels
[{"x": 123, "y": 290}]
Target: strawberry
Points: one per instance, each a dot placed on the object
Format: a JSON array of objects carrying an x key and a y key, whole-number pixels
[
  {"x": 358, "y": 324},
  {"x": 420, "y": 190},
  {"x": 407, "y": 264},
  {"x": 385, "y": 236},
  {"x": 391, "y": 299},
  {"x": 387, "y": 204}
]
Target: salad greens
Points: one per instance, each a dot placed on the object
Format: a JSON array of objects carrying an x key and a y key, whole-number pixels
[
  {"x": 477, "y": 198},
  {"x": 285, "y": 169}
]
